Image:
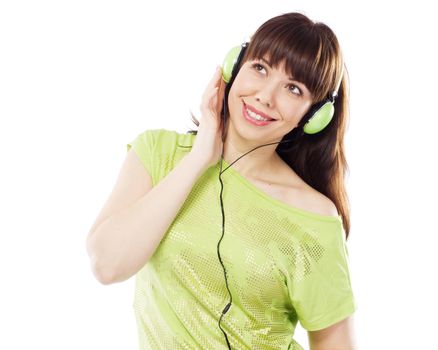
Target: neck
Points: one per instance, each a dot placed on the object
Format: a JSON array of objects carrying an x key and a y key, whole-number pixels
[{"x": 257, "y": 163}]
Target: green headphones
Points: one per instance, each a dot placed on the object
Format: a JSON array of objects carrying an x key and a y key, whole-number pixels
[{"x": 319, "y": 115}]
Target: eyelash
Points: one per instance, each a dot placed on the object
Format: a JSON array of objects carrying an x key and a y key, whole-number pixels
[{"x": 255, "y": 65}]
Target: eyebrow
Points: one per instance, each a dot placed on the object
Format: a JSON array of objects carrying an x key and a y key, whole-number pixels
[{"x": 291, "y": 78}]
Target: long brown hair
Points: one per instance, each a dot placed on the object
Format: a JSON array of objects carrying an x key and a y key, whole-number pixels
[{"x": 312, "y": 52}]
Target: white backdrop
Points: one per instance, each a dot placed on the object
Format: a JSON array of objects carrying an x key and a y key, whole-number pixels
[{"x": 80, "y": 79}]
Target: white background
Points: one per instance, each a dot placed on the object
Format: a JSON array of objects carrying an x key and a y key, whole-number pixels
[{"x": 80, "y": 79}]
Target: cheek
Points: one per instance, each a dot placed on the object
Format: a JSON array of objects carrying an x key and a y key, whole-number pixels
[
  {"x": 234, "y": 100},
  {"x": 302, "y": 108},
  {"x": 306, "y": 108},
  {"x": 294, "y": 111},
  {"x": 243, "y": 85},
  {"x": 237, "y": 93}
]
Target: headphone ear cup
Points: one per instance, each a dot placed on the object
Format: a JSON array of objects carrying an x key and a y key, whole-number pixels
[
  {"x": 229, "y": 62},
  {"x": 321, "y": 116}
]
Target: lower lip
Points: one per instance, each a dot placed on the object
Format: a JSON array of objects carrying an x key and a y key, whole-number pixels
[{"x": 253, "y": 121}]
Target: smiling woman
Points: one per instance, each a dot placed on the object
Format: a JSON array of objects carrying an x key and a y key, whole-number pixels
[
  {"x": 288, "y": 71},
  {"x": 280, "y": 102}
]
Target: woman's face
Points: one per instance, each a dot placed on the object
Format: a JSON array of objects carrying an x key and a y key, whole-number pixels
[{"x": 270, "y": 93}]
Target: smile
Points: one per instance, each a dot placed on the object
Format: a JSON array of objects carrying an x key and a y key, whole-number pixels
[{"x": 255, "y": 118}]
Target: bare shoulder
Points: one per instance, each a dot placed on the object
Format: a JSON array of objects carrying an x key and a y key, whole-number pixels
[
  {"x": 299, "y": 194},
  {"x": 324, "y": 204}
]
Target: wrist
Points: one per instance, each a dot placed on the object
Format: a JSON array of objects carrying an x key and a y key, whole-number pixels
[{"x": 197, "y": 162}]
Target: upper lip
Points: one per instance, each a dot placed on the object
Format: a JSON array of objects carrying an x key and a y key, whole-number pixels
[{"x": 260, "y": 113}]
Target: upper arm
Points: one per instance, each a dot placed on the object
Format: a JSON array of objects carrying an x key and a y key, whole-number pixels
[
  {"x": 339, "y": 336},
  {"x": 133, "y": 182}
]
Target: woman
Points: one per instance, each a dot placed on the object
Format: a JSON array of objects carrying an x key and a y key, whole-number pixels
[{"x": 237, "y": 231}]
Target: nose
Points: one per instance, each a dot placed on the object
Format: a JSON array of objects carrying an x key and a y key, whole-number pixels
[
  {"x": 264, "y": 102},
  {"x": 265, "y": 95}
]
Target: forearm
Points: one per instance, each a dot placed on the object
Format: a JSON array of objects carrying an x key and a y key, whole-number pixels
[{"x": 124, "y": 242}]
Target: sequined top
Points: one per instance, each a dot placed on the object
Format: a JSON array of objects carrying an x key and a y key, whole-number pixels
[{"x": 284, "y": 264}]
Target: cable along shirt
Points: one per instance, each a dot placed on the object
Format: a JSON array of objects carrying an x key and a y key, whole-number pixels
[{"x": 284, "y": 264}]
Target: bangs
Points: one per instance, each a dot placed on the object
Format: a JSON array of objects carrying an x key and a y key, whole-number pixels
[{"x": 307, "y": 55}]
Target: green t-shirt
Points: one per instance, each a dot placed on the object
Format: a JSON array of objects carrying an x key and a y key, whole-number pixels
[{"x": 283, "y": 264}]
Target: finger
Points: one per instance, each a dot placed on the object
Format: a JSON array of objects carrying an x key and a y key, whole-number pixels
[
  {"x": 215, "y": 79},
  {"x": 213, "y": 100},
  {"x": 222, "y": 86},
  {"x": 209, "y": 97},
  {"x": 214, "y": 82},
  {"x": 210, "y": 88},
  {"x": 220, "y": 97}
]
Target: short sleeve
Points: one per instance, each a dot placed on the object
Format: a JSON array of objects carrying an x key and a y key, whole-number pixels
[
  {"x": 144, "y": 147},
  {"x": 321, "y": 289}
]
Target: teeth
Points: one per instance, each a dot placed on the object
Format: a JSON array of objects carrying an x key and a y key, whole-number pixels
[{"x": 255, "y": 115}]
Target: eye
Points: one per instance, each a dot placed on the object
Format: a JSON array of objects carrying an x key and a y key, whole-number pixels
[
  {"x": 258, "y": 67},
  {"x": 299, "y": 93}
]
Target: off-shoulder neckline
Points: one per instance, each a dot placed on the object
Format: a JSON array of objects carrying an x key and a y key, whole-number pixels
[
  {"x": 291, "y": 209},
  {"x": 273, "y": 200}
]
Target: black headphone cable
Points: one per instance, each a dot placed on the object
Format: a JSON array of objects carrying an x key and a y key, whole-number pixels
[{"x": 227, "y": 307}]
